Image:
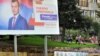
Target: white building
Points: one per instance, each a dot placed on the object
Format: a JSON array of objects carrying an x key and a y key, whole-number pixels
[{"x": 89, "y": 8}]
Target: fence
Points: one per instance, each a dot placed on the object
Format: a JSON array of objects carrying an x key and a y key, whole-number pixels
[
  {"x": 23, "y": 54},
  {"x": 12, "y": 54},
  {"x": 36, "y": 51}
]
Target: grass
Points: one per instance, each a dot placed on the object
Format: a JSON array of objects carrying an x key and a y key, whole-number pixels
[
  {"x": 38, "y": 41},
  {"x": 31, "y": 41}
]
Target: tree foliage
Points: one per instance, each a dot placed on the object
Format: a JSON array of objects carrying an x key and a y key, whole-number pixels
[{"x": 70, "y": 16}]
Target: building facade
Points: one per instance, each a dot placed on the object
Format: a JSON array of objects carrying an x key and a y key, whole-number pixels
[{"x": 89, "y": 8}]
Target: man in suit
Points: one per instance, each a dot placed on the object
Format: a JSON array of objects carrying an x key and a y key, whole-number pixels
[{"x": 17, "y": 22}]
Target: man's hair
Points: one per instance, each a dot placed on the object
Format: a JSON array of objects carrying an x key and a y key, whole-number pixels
[{"x": 15, "y": 1}]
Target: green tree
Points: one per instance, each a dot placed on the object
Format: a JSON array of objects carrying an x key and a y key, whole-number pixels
[
  {"x": 97, "y": 24},
  {"x": 70, "y": 16}
]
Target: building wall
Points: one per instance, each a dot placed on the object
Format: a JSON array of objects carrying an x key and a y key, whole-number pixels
[
  {"x": 98, "y": 1},
  {"x": 89, "y": 7}
]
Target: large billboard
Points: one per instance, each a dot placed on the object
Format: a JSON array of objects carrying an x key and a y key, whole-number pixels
[{"x": 29, "y": 17}]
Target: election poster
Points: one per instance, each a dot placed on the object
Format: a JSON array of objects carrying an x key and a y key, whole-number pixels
[{"x": 19, "y": 17}]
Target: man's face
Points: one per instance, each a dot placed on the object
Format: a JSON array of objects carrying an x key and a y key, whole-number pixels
[{"x": 15, "y": 8}]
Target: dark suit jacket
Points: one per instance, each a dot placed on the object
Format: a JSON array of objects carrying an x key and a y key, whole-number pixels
[{"x": 21, "y": 24}]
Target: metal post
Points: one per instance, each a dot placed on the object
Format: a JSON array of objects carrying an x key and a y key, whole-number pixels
[
  {"x": 15, "y": 46},
  {"x": 45, "y": 46}
]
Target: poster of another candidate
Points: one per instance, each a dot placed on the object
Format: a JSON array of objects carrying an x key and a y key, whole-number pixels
[{"x": 29, "y": 17}]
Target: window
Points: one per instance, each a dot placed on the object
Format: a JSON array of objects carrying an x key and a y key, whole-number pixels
[
  {"x": 96, "y": 1},
  {"x": 93, "y": 1},
  {"x": 83, "y": 3}
]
